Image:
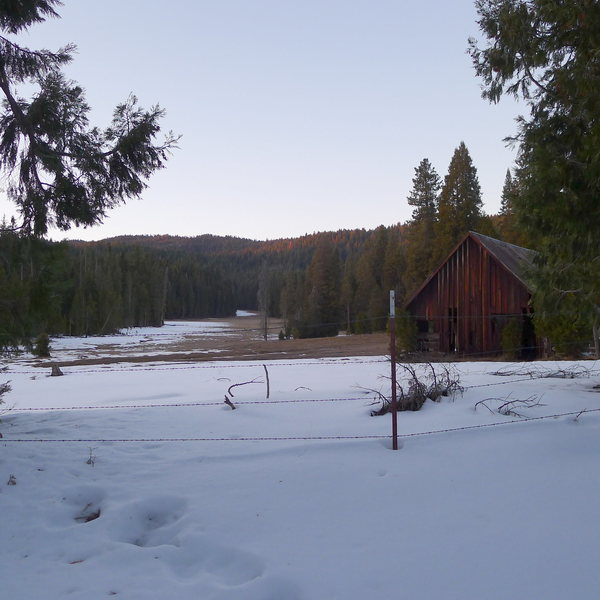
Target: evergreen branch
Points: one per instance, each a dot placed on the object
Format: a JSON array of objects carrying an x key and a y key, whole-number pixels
[{"x": 26, "y": 14}]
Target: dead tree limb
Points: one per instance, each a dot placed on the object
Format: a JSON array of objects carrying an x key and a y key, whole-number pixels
[
  {"x": 255, "y": 380},
  {"x": 508, "y": 407}
]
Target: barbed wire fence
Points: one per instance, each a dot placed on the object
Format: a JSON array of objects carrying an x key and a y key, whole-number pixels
[
  {"x": 242, "y": 403},
  {"x": 302, "y": 438},
  {"x": 341, "y": 361}
]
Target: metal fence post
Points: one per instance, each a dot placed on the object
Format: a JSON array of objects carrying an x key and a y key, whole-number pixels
[{"x": 394, "y": 404}]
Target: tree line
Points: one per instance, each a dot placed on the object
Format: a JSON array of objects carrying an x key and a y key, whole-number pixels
[
  {"x": 319, "y": 283},
  {"x": 84, "y": 289}
]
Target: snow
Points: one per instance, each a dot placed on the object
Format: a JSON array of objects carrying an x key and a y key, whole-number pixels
[
  {"x": 149, "y": 340},
  {"x": 505, "y": 511}
]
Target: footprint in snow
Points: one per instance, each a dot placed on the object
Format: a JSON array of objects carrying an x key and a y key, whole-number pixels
[
  {"x": 156, "y": 525},
  {"x": 84, "y": 502},
  {"x": 200, "y": 556},
  {"x": 150, "y": 522}
]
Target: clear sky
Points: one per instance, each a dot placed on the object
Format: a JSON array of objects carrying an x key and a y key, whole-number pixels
[{"x": 296, "y": 115}]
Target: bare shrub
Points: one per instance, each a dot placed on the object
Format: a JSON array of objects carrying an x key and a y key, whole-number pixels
[
  {"x": 414, "y": 388},
  {"x": 509, "y": 407},
  {"x": 4, "y": 389},
  {"x": 541, "y": 372}
]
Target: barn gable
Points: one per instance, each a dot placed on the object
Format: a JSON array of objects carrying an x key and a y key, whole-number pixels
[{"x": 467, "y": 301}]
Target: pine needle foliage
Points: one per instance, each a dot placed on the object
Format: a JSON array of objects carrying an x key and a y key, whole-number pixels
[
  {"x": 459, "y": 206},
  {"x": 546, "y": 53},
  {"x": 424, "y": 197},
  {"x": 60, "y": 170}
]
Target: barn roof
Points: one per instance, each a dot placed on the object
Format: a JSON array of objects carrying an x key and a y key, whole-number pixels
[{"x": 515, "y": 259}]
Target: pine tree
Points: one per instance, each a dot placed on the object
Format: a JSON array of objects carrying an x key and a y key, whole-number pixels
[
  {"x": 421, "y": 229},
  {"x": 58, "y": 169},
  {"x": 508, "y": 195},
  {"x": 321, "y": 316},
  {"x": 347, "y": 292},
  {"x": 263, "y": 298},
  {"x": 547, "y": 54},
  {"x": 291, "y": 299},
  {"x": 506, "y": 221},
  {"x": 424, "y": 193},
  {"x": 370, "y": 298},
  {"x": 459, "y": 207}
]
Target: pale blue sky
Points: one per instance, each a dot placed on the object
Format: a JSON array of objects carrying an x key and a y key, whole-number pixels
[{"x": 296, "y": 115}]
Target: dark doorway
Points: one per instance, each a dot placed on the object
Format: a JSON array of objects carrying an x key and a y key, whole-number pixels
[
  {"x": 529, "y": 350},
  {"x": 453, "y": 329}
]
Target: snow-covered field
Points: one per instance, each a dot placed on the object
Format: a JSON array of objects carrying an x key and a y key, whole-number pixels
[
  {"x": 150, "y": 341},
  {"x": 138, "y": 482}
]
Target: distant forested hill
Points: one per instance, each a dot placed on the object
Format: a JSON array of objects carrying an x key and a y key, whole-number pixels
[
  {"x": 85, "y": 288},
  {"x": 212, "y": 276},
  {"x": 318, "y": 283}
]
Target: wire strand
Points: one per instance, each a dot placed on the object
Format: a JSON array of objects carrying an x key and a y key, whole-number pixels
[{"x": 297, "y": 438}]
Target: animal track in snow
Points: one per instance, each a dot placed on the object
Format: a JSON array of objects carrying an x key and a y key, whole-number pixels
[
  {"x": 155, "y": 529},
  {"x": 149, "y": 522},
  {"x": 86, "y": 501},
  {"x": 227, "y": 565}
]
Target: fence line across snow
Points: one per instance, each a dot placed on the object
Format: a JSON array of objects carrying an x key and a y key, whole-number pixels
[
  {"x": 238, "y": 403},
  {"x": 299, "y": 438}
]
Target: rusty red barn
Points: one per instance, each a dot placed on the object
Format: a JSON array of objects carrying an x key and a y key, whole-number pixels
[{"x": 466, "y": 302}]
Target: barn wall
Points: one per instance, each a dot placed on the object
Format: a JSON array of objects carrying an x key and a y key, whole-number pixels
[{"x": 468, "y": 301}]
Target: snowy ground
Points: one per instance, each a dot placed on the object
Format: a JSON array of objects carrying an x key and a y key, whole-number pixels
[
  {"x": 147, "y": 340},
  {"x": 137, "y": 482}
]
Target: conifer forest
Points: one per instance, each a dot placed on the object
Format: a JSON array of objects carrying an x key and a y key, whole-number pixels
[{"x": 319, "y": 284}]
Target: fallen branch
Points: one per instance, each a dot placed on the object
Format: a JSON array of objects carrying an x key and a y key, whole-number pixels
[
  {"x": 379, "y": 397},
  {"x": 417, "y": 389},
  {"x": 539, "y": 372},
  {"x": 507, "y": 407},
  {"x": 255, "y": 380}
]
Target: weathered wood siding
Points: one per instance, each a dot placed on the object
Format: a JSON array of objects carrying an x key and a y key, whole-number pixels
[{"x": 468, "y": 301}]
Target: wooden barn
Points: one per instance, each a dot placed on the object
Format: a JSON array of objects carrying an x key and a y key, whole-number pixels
[{"x": 472, "y": 296}]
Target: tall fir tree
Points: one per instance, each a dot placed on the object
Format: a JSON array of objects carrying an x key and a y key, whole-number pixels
[
  {"x": 424, "y": 193},
  {"x": 546, "y": 53},
  {"x": 459, "y": 206},
  {"x": 506, "y": 222},
  {"x": 421, "y": 229},
  {"x": 507, "y": 200},
  {"x": 263, "y": 299},
  {"x": 370, "y": 300},
  {"x": 321, "y": 316}
]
